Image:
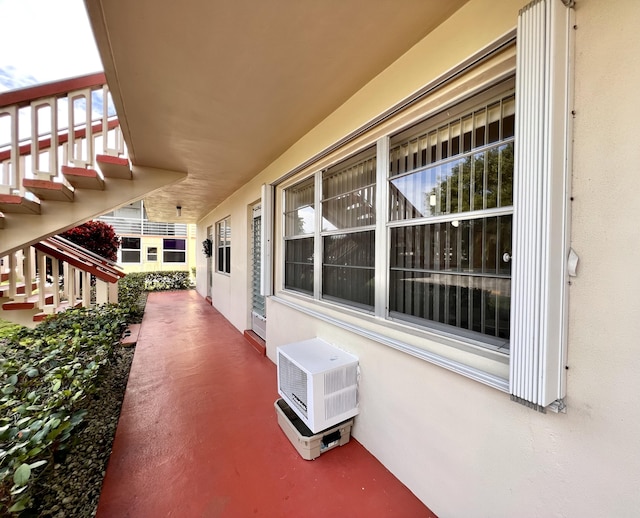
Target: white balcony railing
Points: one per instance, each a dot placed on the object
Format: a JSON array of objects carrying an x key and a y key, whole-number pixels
[{"x": 47, "y": 126}]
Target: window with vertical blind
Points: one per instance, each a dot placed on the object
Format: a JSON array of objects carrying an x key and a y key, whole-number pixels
[
  {"x": 299, "y": 229},
  {"x": 450, "y": 218},
  {"x": 223, "y": 246},
  {"x": 348, "y": 231},
  {"x": 448, "y": 186}
]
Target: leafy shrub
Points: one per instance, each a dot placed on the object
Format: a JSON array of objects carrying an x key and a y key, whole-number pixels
[
  {"x": 163, "y": 281},
  {"x": 45, "y": 374},
  {"x": 96, "y": 236},
  {"x": 134, "y": 283},
  {"x": 131, "y": 295}
]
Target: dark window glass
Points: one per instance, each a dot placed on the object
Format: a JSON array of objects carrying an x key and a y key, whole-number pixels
[
  {"x": 298, "y": 273},
  {"x": 348, "y": 272},
  {"x": 131, "y": 256}
]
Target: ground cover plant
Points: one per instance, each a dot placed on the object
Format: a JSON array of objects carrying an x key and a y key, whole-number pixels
[
  {"x": 45, "y": 375},
  {"x": 48, "y": 381}
]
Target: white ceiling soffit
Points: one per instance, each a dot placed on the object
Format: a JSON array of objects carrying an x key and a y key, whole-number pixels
[{"x": 219, "y": 89}]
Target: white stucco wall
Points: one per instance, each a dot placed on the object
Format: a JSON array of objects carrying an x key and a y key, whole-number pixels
[{"x": 463, "y": 448}]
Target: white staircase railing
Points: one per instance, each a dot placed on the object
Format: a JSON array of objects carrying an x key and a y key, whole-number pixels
[
  {"x": 47, "y": 126},
  {"x": 30, "y": 279}
]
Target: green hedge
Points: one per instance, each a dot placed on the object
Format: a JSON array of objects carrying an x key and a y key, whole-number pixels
[
  {"x": 45, "y": 374},
  {"x": 158, "y": 281}
]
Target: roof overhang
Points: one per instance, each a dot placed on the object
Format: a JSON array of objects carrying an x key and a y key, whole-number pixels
[{"x": 220, "y": 89}]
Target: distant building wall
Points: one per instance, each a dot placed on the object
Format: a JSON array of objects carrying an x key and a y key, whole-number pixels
[{"x": 148, "y": 246}]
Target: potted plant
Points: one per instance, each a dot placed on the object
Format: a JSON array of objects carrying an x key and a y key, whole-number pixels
[{"x": 207, "y": 247}]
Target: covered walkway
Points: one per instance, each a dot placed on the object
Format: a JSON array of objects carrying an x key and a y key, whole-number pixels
[{"x": 198, "y": 435}]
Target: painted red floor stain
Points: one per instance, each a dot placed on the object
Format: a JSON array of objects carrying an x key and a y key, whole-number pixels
[{"x": 198, "y": 435}]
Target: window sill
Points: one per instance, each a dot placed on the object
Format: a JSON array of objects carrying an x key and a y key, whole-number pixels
[{"x": 455, "y": 354}]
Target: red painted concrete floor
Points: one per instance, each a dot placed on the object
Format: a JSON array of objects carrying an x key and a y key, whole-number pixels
[{"x": 198, "y": 434}]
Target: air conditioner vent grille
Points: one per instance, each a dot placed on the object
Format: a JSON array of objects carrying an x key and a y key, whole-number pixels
[
  {"x": 340, "y": 379},
  {"x": 340, "y": 402},
  {"x": 293, "y": 383}
]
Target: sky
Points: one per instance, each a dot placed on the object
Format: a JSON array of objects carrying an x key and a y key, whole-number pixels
[{"x": 44, "y": 40}]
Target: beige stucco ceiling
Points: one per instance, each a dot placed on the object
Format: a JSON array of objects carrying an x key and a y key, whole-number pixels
[{"x": 219, "y": 89}]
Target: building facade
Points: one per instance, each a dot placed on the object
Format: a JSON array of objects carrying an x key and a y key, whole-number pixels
[
  {"x": 447, "y": 225},
  {"x": 148, "y": 246}
]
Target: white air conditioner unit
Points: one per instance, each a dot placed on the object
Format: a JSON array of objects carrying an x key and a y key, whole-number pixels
[{"x": 319, "y": 382}]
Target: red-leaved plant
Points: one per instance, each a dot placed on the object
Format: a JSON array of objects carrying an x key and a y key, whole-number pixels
[{"x": 97, "y": 237}]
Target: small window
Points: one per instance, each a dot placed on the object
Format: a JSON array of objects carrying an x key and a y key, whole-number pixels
[
  {"x": 152, "y": 253},
  {"x": 130, "y": 249},
  {"x": 174, "y": 251},
  {"x": 223, "y": 246}
]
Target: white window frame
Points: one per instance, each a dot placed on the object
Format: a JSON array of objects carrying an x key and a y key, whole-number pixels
[
  {"x": 152, "y": 257},
  {"x": 382, "y": 227},
  {"x": 223, "y": 244}
]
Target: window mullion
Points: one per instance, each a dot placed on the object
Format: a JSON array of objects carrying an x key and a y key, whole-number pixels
[
  {"x": 381, "y": 232},
  {"x": 317, "y": 242}
]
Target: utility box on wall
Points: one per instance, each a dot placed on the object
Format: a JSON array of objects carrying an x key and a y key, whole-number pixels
[{"x": 319, "y": 382}]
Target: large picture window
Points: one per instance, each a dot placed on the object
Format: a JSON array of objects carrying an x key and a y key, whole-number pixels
[
  {"x": 450, "y": 218},
  {"x": 446, "y": 237},
  {"x": 223, "y": 240}
]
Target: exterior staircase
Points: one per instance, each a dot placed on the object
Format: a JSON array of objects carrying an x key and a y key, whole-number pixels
[
  {"x": 31, "y": 287},
  {"x": 62, "y": 162}
]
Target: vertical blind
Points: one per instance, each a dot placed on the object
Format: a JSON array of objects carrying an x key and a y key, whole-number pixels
[
  {"x": 458, "y": 171},
  {"x": 348, "y": 224}
]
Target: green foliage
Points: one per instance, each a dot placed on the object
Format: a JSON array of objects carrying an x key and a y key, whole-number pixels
[
  {"x": 163, "y": 281},
  {"x": 45, "y": 375},
  {"x": 134, "y": 283},
  {"x": 8, "y": 328}
]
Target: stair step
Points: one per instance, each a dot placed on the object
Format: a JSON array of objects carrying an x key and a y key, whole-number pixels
[
  {"x": 18, "y": 205},
  {"x": 256, "y": 342},
  {"x": 30, "y": 303},
  {"x": 82, "y": 178},
  {"x": 48, "y": 190},
  {"x": 114, "y": 167},
  {"x": 20, "y": 288},
  {"x": 39, "y": 317},
  {"x": 4, "y": 276}
]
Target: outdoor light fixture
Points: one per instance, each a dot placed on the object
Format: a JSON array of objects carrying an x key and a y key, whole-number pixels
[{"x": 178, "y": 210}]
